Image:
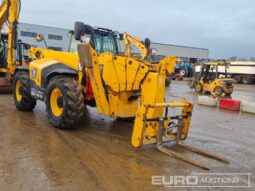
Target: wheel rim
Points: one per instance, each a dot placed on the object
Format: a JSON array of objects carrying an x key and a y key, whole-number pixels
[
  {"x": 245, "y": 81},
  {"x": 56, "y": 102},
  {"x": 182, "y": 72},
  {"x": 198, "y": 88},
  {"x": 18, "y": 91},
  {"x": 218, "y": 91}
]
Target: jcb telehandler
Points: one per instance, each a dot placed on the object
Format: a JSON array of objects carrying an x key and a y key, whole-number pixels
[{"x": 118, "y": 85}]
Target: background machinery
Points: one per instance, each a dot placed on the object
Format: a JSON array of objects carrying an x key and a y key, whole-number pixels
[
  {"x": 9, "y": 14},
  {"x": 118, "y": 85},
  {"x": 21, "y": 58},
  {"x": 210, "y": 80}
]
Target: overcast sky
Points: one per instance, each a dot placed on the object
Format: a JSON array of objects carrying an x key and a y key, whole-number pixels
[{"x": 226, "y": 27}]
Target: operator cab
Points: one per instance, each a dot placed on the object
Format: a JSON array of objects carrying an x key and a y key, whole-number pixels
[
  {"x": 214, "y": 70},
  {"x": 208, "y": 74},
  {"x": 22, "y": 52},
  {"x": 101, "y": 39}
]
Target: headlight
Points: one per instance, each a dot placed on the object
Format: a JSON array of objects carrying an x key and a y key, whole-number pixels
[
  {"x": 80, "y": 67},
  {"x": 33, "y": 73}
]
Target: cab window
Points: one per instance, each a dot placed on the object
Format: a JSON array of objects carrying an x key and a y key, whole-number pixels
[{"x": 105, "y": 43}]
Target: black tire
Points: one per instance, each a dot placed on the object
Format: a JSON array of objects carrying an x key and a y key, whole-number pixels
[
  {"x": 247, "y": 79},
  {"x": 27, "y": 103},
  {"x": 199, "y": 88},
  {"x": 184, "y": 72},
  {"x": 168, "y": 81},
  {"x": 218, "y": 91},
  {"x": 237, "y": 78},
  {"x": 73, "y": 106}
]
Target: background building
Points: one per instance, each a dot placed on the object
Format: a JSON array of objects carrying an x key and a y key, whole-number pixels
[
  {"x": 59, "y": 39},
  {"x": 56, "y": 38}
]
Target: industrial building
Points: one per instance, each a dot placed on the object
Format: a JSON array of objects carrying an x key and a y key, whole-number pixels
[
  {"x": 56, "y": 38},
  {"x": 59, "y": 39}
]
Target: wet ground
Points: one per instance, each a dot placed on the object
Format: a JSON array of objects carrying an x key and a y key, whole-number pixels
[{"x": 98, "y": 155}]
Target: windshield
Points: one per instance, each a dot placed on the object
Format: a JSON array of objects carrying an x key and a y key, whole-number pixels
[
  {"x": 105, "y": 42},
  {"x": 183, "y": 63}
]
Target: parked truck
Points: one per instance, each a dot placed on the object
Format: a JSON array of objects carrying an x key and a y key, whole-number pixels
[{"x": 242, "y": 71}]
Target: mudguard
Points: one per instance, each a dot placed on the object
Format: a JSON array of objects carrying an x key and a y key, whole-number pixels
[
  {"x": 21, "y": 68},
  {"x": 56, "y": 69}
]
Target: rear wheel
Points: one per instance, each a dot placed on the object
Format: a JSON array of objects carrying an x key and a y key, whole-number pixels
[
  {"x": 199, "y": 88},
  {"x": 64, "y": 102},
  {"x": 183, "y": 72},
  {"x": 247, "y": 79},
  {"x": 237, "y": 78},
  {"x": 218, "y": 91},
  {"x": 21, "y": 92}
]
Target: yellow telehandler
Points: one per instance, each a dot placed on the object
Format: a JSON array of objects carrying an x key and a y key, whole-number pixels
[{"x": 118, "y": 85}]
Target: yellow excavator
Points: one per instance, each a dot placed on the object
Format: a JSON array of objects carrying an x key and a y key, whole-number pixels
[
  {"x": 9, "y": 12},
  {"x": 118, "y": 85},
  {"x": 11, "y": 50}
]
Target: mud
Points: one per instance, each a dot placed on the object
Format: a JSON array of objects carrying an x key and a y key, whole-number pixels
[{"x": 97, "y": 155}]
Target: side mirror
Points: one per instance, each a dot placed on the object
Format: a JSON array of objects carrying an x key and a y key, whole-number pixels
[
  {"x": 121, "y": 36},
  {"x": 147, "y": 43},
  {"x": 39, "y": 38},
  {"x": 78, "y": 30}
]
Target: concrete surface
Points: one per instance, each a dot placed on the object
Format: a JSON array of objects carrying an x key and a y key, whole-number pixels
[{"x": 97, "y": 155}]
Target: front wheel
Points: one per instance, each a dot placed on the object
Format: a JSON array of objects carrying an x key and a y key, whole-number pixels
[
  {"x": 218, "y": 91},
  {"x": 64, "y": 102},
  {"x": 199, "y": 88},
  {"x": 21, "y": 92}
]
